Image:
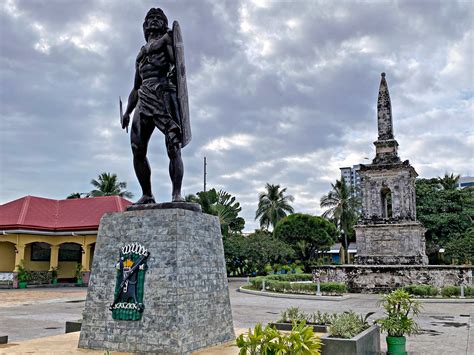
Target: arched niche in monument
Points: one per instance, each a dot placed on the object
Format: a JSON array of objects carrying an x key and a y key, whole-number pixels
[{"x": 386, "y": 198}]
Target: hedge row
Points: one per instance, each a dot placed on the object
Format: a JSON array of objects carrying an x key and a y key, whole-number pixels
[
  {"x": 447, "y": 291},
  {"x": 275, "y": 285}
]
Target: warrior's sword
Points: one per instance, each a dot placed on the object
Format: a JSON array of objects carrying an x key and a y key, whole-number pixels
[{"x": 121, "y": 114}]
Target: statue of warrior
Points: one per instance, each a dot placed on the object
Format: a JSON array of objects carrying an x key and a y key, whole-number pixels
[{"x": 159, "y": 97}]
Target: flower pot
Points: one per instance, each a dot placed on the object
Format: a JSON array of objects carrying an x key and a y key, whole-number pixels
[
  {"x": 396, "y": 345},
  {"x": 22, "y": 284}
]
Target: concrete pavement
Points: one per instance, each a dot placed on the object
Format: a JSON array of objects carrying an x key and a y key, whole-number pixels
[{"x": 447, "y": 327}]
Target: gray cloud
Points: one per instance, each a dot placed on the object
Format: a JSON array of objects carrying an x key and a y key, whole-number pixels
[{"x": 280, "y": 92}]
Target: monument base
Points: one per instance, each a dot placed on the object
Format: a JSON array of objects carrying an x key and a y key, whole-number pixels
[
  {"x": 400, "y": 243},
  {"x": 385, "y": 278},
  {"x": 185, "y": 291}
]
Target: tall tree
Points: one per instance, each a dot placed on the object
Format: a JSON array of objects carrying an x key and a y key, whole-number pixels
[
  {"x": 446, "y": 213},
  {"x": 222, "y": 204},
  {"x": 108, "y": 185},
  {"x": 273, "y": 205},
  {"x": 308, "y": 235},
  {"x": 342, "y": 209},
  {"x": 449, "y": 182}
]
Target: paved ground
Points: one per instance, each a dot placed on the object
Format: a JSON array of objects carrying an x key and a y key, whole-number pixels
[{"x": 27, "y": 314}]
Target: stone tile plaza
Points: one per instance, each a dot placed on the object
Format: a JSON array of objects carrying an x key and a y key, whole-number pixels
[{"x": 266, "y": 222}]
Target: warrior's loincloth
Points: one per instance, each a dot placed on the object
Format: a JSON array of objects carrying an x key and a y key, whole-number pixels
[{"x": 157, "y": 100}]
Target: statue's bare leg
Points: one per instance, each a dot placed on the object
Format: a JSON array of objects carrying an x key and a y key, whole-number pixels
[
  {"x": 176, "y": 170},
  {"x": 140, "y": 136}
]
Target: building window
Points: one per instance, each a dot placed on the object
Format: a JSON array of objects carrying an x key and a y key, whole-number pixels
[
  {"x": 40, "y": 252},
  {"x": 386, "y": 196},
  {"x": 70, "y": 252}
]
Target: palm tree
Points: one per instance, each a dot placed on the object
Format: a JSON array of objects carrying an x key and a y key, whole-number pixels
[
  {"x": 108, "y": 185},
  {"x": 342, "y": 208},
  {"x": 273, "y": 205},
  {"x": 223, "y": 205},
  {"x": 449, "y": 182}
]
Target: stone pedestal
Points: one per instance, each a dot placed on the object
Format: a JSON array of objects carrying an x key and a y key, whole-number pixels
[
  {"x": 186, "y": 295},
  {"x": 401, "y": 243}
]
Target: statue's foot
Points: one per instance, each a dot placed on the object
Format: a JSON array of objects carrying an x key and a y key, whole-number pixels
[
  {"x": 178, "y": 198},
  {"x": 145, "y": 199}
]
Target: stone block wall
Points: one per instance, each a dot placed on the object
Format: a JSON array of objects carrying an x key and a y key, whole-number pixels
[
  {"x": 186, "y": 298},
  {"x": 391, "y": 244},
  {"x": 385, "y": 278}
]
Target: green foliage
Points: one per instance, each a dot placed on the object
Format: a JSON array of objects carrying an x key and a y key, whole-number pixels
[
  {"x": 54, "y": 272},
  {"x": 421, "y": 290},
  {"x": 322, "y": 318},
  {"x": 286, "y": 284},
  {"x": 290, "y": 277},
  {"x": 344, "y": 325},
  {"x": 450, "y": 291},
  {"x": 446, "y": 213},
  {"x": 398, "y": 305},
  {"x": 22, "y": 273},
  {"x": 79, "y": 271},
  {"x": 348, "y": 324},
  {"x": 248, "y": 255},
  {"x": 273, "y": 205},
  {"x": 108, "y": 185},
  {"x": 223, "y": 205},
  {"x": 293, "y": 314},
  {"x": 461, "y": 247},
  {"x": 301, "y": 340},
  {"x": 308, "y": 235}
]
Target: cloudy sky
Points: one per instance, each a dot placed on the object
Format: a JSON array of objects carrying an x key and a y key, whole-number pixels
[{"x": 280, "y": 91}]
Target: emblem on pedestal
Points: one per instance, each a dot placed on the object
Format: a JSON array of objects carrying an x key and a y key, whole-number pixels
[{"x": 129, "y": 285}]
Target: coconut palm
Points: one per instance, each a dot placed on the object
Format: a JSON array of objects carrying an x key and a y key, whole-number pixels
[
  {"x": 449, "y": 182},
  {"x": 108, "y": 185},
  {"x": 342, "y": 209},
  {"x": 273, "y": 205}
]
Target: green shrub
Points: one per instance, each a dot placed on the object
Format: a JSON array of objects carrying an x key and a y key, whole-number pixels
[
  {"x": 333, "y": 287},
  {"x": 348, "y": 324},
  {"x": 292, "y": 314},
  {"x": 269, "y": 341},
  {"x": 397, "y": 321},
  {"x": 421, "y": 290},
  {"x": 322, "y": 318},
  {"x": 291, "y": 277},
  {"x": 286, "y": 284},
  {"x": 449, "y": 291}
]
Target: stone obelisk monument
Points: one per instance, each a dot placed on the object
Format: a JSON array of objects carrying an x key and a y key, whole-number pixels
[
  {"x": 388, "y": 232},
  {"x": 158, "y": 281}
]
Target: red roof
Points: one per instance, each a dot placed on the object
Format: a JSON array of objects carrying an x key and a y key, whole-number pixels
[{"x": 40, "y": 213}]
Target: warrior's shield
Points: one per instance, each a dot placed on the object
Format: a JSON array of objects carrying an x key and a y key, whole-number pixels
[{"x": 182, "y": 89}]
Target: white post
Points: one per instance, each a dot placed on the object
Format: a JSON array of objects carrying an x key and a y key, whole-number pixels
[
  {"x": 318, "y": 290},
  {"x": 462, "y": 291},
  {"x": 263, "y": 286},
  {"x": 248, "y": 280}
]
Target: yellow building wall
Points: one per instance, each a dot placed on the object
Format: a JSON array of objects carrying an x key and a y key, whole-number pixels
[
  {"x": 67, "y": 269},
  {"x": 34, "y": 265},
  {"x": 7, "y": 257}
]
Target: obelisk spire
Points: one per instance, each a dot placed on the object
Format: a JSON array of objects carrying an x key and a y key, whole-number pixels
[
  {"x": 384, "y": 112},
  {"x": 386, "y": 145}
]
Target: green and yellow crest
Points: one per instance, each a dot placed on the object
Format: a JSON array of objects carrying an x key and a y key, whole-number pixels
[{"x": 129, "y": 284}]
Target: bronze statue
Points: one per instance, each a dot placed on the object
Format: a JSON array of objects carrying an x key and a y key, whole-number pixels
[{"x": 159, "y": 97}]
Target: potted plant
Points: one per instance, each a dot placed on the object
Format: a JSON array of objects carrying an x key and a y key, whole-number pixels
[
  {"x": 79, "y": 274},
  {"x": 398, "y": 323},
  {"x": 54, "y": 275},
  {"x": 22, "y": 275}
]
